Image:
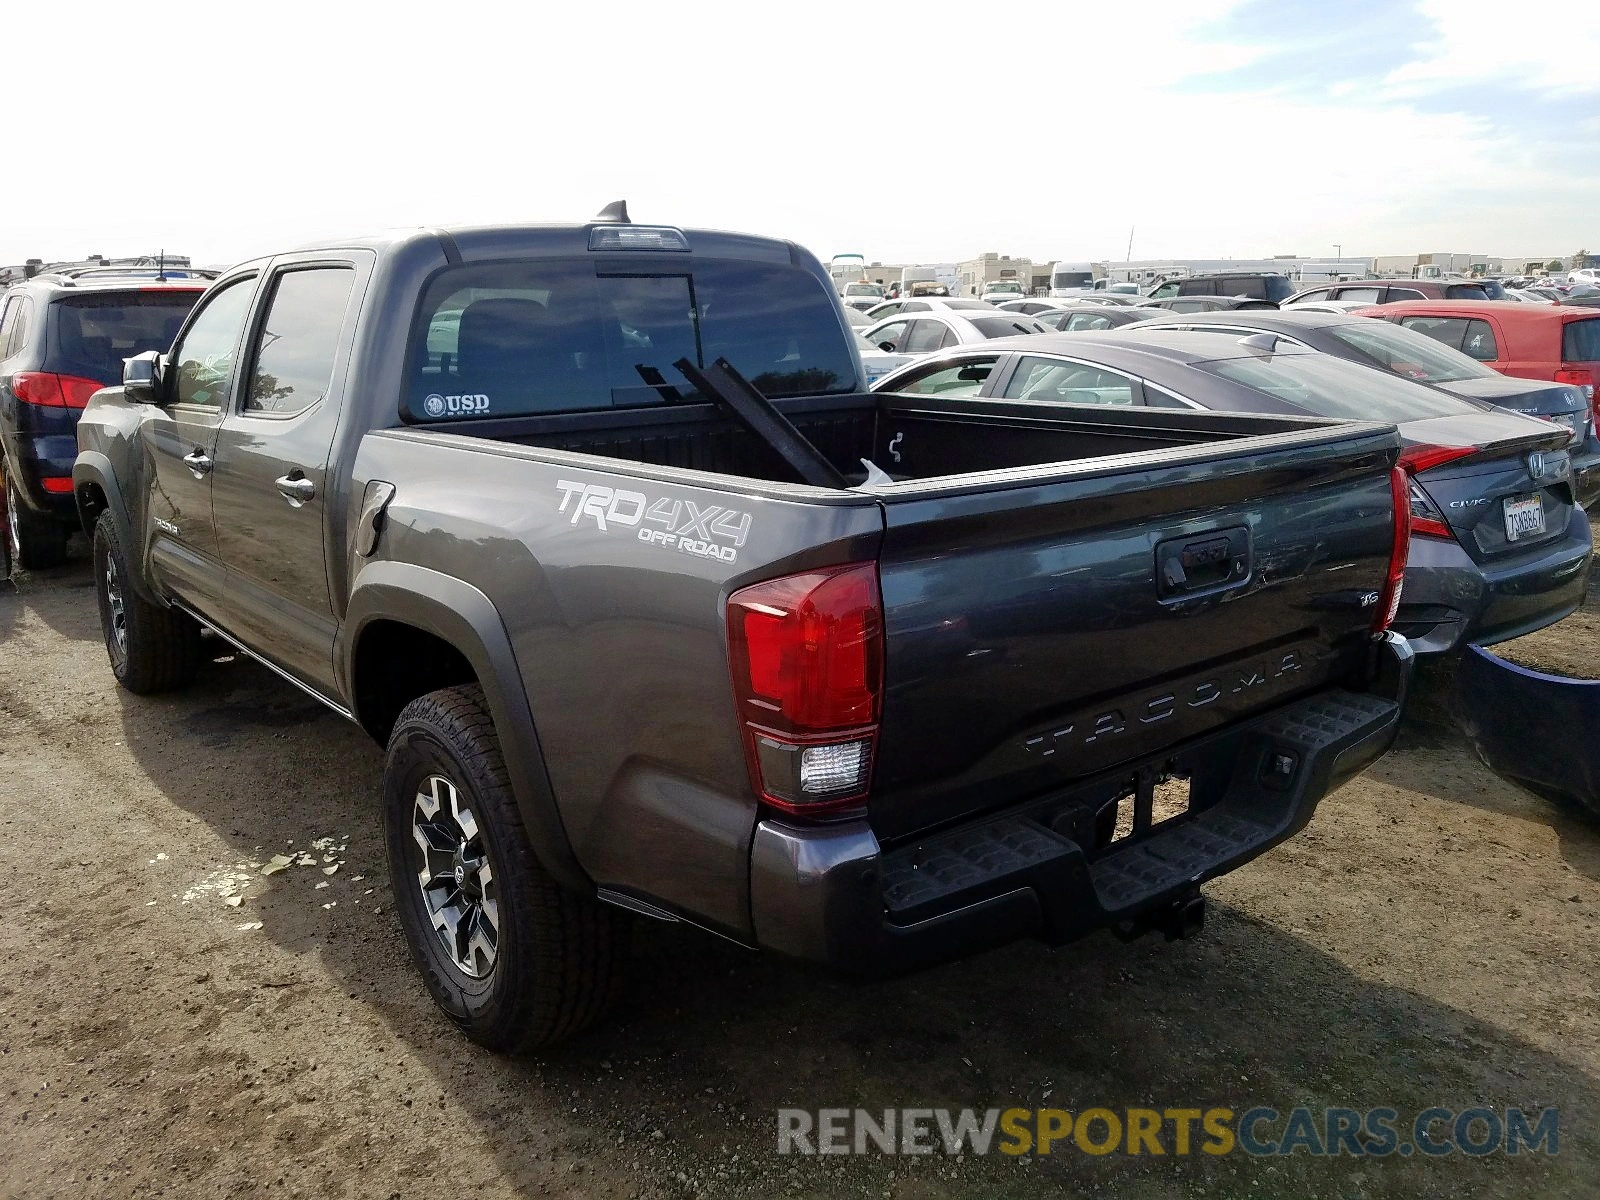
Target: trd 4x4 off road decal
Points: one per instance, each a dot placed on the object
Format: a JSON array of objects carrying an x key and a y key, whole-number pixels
[{"x": 708, "y": 531}]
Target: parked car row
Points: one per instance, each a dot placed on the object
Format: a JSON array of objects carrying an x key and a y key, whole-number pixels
[{"x": 1496, "y": 466}]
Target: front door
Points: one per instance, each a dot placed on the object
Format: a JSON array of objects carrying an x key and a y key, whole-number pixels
[
  {"x": 271, "y": 492},
  {"x": 181, "y": 439}
]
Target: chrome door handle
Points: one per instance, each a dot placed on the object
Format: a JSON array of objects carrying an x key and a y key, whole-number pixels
[
  {"x": 296, "y": 489},
  {"x": 198, "y": 462}
]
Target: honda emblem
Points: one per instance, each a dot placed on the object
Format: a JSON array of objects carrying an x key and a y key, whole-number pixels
[{"x": 1536, "y": 463}]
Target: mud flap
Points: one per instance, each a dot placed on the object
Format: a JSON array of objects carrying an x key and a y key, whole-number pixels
[{"x": 1540, "y": 731}]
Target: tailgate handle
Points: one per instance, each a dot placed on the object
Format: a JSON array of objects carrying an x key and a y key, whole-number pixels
[{"x": 1202, "y": 563}]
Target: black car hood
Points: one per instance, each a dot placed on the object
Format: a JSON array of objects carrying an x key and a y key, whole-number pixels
[{"x": 1537, "y": 396}]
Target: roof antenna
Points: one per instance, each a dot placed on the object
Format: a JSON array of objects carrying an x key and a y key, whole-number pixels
[
  {"x": 161, "y": 266},
  {"x": 616, "y": 213}
]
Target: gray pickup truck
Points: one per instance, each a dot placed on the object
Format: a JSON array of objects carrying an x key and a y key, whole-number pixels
[{"x": 658, "y": 611}]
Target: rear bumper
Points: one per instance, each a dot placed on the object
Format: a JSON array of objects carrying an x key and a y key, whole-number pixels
[
  {"x": 1449, "y": 600},
  {"x": 1585, "y": 461},
  {"x": 32, "y": 457},
  {"x": 833, "y": 895}
]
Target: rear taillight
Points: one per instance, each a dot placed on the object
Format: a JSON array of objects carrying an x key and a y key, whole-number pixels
[
  {"x": 807, "y": 658},
  {"x": 59, "y": 487},
  {"x": 1425, "y": 515},
  {"x": 1424, "y": 457},
  {"x": 1399, "y": 549},
  {"x": 1422, "y": 514},
  {"x": 1582, "y": 378},
  {"x": 50, "y": 390}
]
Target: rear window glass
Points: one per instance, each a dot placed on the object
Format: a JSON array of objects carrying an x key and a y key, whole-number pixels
[
  {"x": 1580, "y": 340},
  {"x": 95, "y": 331},
  {"x": 994, "y": 327},
  {"x": 980, "y": 304},
  {"x": 1409, "y": 353},
  {"x": 550, "y": 335},
  {"x": 1244, "y": 285},
  {"x": 1330, "y": 387},
  {"x": 1465, "y": 291},
  {"x": 1279, "y": 288}
]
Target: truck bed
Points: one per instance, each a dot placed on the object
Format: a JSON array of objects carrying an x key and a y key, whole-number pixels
[
  {"x": 1031, "y": 640},
  {"x": 907, "y": 437}
]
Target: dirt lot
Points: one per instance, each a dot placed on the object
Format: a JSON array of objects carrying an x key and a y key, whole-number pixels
[{"x": 1429, "y": 940}]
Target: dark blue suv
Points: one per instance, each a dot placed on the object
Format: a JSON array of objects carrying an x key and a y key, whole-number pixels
[{"x": 63, "y": 336}]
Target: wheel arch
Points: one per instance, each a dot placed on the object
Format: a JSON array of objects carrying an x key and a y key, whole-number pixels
[
  {"x": 437, "y": 628},
  {"x": 96, "y": 492}
]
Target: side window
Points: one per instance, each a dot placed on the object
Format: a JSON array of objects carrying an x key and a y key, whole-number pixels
[
  {"x": 1155, "y": 397},
  {"x": 1395, "y": 293},
  {"x": 203, "y": 357},
  {"x": 1478, "y": 341},
  {"x": 1252, "y": 286},
  {"x": 887, "y": 310},
  {"x": 1087, "y": 321},
  {"x": 293, "y": 363},
  {"x": 1165, "y": 290},
  {"x": 1067, "y": 383},
  {"x": 1368, "y": 295},
  {"x": 1198, "y": 287},
  {"x": 1318, "y": 294},
  {"x": 1448, "y": 330},
  {"x": 925, "y": 336},
  {"x": 8, "y": 319},
  {"x": 892, "y": 336},
  {"x": 18, "y": 341},
  {"x": 958, "y": 381},
  {"x": 915, "y": 306}
]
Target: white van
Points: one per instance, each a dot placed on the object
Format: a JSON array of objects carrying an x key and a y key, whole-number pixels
[{"x": 1071, "y": 278}]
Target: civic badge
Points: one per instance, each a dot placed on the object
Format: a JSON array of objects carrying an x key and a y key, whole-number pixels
[{"x": 1536, "y": 463}]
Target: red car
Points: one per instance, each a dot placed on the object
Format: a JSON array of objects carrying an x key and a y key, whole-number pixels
[{"x": 1529, "y": 341}]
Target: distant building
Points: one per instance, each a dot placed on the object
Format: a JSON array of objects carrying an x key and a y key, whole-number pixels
[{"x": 975, "y": 275}]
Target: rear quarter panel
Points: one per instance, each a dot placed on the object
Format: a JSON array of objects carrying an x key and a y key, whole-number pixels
[{"x": 619, "y": 638}]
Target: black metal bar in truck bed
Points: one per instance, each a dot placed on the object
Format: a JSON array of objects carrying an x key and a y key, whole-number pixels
[{"x": 740, "y": 398}]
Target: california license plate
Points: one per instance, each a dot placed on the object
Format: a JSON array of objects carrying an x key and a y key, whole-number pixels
[{"x": 1524, "y": 517}]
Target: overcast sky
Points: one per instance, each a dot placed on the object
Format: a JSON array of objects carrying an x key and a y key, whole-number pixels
[{"x": 906, "y": 132}]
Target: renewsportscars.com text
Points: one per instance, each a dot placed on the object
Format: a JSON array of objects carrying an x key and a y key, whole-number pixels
[{"x": 1329, "y": 1132}]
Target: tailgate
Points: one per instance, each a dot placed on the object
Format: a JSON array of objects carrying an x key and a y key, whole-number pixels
[{"x": 1043, "y": 626}]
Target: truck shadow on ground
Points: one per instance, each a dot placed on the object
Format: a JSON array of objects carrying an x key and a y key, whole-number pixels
[{"x": 711, "y": 1039}]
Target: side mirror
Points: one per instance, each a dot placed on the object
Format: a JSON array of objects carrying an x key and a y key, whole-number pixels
[
  {"x": 887, "y": 347},
  {"x": 141, "y": 378}
]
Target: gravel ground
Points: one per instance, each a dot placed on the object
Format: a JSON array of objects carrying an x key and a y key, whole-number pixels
[{"x": 1428, "y": 940}]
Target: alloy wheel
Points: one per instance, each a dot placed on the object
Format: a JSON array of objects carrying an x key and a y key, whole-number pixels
[
  {"x": 119, "y": 612},
  {"x": 13, "y": 526},
  {"x": 459, "y": 892}
]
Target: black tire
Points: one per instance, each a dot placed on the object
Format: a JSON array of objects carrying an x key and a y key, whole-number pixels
[
  {"x": 34, "y": 541},
  {"x": 159, "y": 648},
  {"x": 558, "y": 957}
]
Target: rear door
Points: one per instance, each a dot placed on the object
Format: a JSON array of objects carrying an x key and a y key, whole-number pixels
[
  {"x": 180, "y": 440},
  {"x": 271, "y": 495}
]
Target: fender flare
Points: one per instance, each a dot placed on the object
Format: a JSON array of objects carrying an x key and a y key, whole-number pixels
[
  {"x": 458, "y": 613},
  {"x": 91, "y": 466}
]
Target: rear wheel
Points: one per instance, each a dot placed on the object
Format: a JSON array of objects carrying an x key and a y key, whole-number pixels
[
  {"x": 152, "y": 649},
  {"x": 512, "y": 957},
  {"x": 35, "y": 541}
]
